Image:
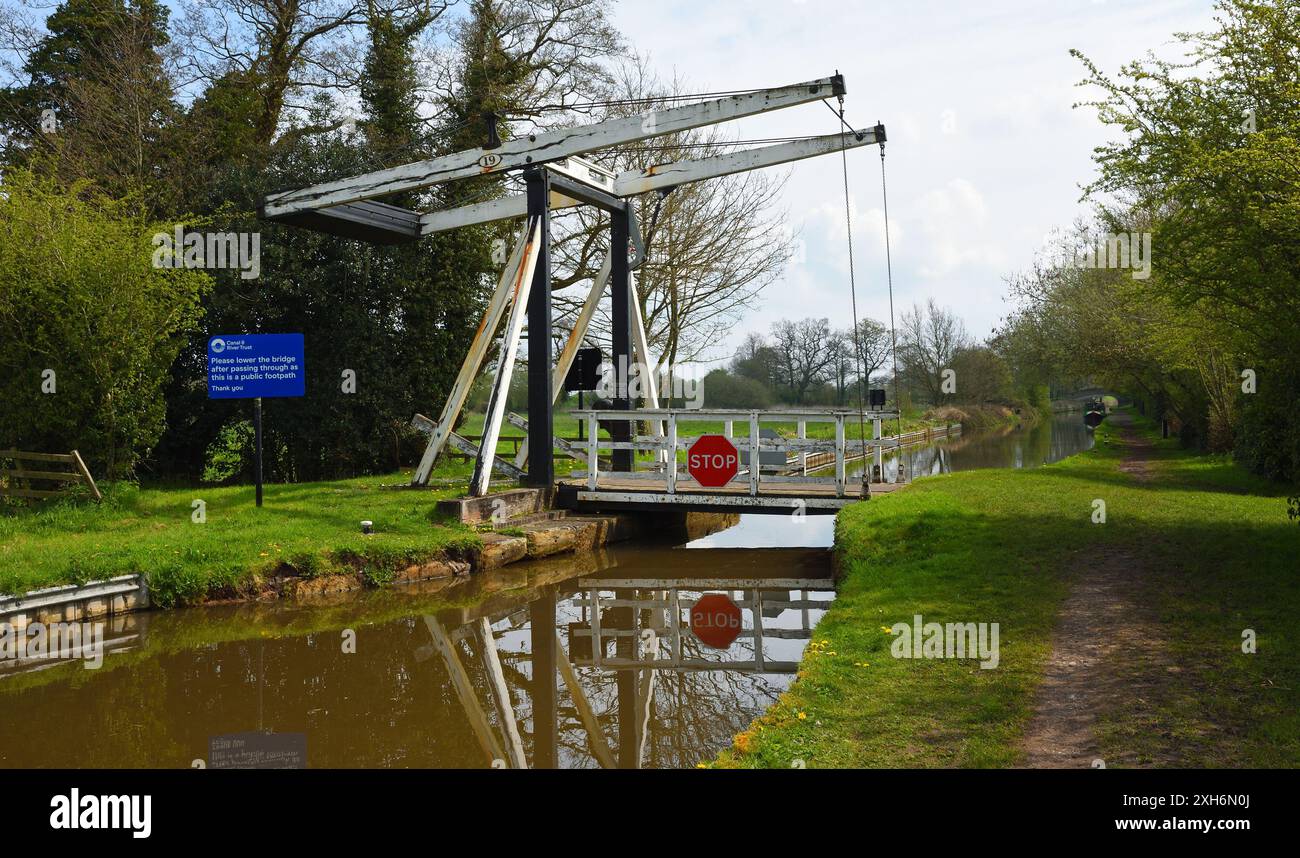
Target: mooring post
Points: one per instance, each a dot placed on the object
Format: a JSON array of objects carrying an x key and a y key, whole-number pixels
[
  {"x": 620, "y": 287},
  {"x": 541, "y": 443}
]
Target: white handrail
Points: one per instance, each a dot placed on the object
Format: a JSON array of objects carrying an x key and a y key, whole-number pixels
[{"x": 669, "y": 444}]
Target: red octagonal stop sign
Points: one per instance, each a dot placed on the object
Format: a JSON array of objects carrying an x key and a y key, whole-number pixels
[
  {"x": 715, "y": 620},
  {"x": 712, "y": 461}
]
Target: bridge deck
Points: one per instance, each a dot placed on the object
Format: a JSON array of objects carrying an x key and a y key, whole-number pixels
[{"x": 614, "y": 493}]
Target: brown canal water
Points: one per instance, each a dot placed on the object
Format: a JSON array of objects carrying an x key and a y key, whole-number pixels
[
  {"x": 495, "y": 670},
  {"x": 443, "y": 675}
]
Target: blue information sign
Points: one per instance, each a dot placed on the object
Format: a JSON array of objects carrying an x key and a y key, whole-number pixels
[{"x": 252, "y": 366}]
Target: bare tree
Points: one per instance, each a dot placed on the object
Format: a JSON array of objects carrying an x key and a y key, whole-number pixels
[
  {"x": 281, "y": 49},
  {"x": 559, "y": 52},
  {"x": 807, "y": 354},
  {"x": 930, "y": 338},
  {"x": 714, "y": 245},
  {"x": 857, "y": 359}
]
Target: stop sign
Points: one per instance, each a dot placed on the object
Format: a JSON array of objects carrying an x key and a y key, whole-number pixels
[
  {"x": 712, "y": 461},
  {"x": 715, "y": 620}
]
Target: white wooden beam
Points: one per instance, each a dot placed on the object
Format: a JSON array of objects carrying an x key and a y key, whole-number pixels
[
  {"x": 506, "y": 365},
  {"x": 473, "y": 360},
  {"x": 633, "y": 182},
  {"x": 539, "y": 148},
  {"x": 460, "y": 680}
]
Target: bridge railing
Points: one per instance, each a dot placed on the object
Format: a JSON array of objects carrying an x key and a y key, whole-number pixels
[{"x": 666, "y": 441}]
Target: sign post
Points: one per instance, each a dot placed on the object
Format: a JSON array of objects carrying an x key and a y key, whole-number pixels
[
  {"x": 253, "y": 366},
  {"x": 257, "y": 445}
]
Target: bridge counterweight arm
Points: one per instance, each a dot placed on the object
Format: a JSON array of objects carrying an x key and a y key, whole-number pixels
[
  {"x": 540, "y": 148},
  {"x": 633, "y": 182}
]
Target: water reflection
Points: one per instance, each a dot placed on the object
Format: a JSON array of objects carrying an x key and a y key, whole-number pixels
[
  {"x": 1047, "y": 442},
  {"x": 585, "y": 662}
]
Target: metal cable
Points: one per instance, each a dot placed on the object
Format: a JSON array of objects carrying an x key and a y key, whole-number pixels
[
  {"x": 853, "y": 290},
  {"x": 889, "y": 273}
]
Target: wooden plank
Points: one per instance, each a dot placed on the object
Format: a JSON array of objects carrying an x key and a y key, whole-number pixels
[
  {"x": 473, "y": 360},
  {"x": 65, "y": 458},
  {"x": 467, "y": 448},
  {"x": 62, "y": 476},
  {"x": 85, "y": 475},
  {"x": 506, "y": 364},
  {"x": 538, "y": 148},
  {"x": 29, "y": 493},
  {"x": 570, "y": 450},
  {"x": 580, "y": 326}
]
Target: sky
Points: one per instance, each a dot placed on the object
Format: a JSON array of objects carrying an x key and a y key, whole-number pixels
[{"x": 985, "y": 155}]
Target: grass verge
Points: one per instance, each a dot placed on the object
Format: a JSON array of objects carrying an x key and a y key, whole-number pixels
[
  {"x": 308, "y": 529},
  {"x": 1217, "y": 557}
]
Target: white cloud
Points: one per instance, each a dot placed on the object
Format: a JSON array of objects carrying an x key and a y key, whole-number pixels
[{"x": 986, "y": 154}]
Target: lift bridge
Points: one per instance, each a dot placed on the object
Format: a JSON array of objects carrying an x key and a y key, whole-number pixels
[{"x": 556, "y": 177}]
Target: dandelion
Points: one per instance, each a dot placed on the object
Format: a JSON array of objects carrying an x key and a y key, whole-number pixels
[
  {"x": 887, "y": 630},
  {"x": 803, "y": 716}
]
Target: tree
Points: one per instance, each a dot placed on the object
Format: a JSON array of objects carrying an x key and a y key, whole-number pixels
[
  {"x": 806, "y": 354},
  {"x": 929, "y": 339},
  {"x": 725, "y": 390},
  {"x": 1210, "y": 156},
  {"x": 857, "y": 358},
  {"x": 98, "y": 104},
  {"x": 88, "y": 326},
  {"x": 755, "y": 359},
  {"x": 278, "y": 50},
  {"x": 982, "y": 376}
]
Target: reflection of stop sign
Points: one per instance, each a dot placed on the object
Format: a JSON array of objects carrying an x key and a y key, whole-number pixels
[
  {"x": 712, "y": 461},
  {"x": 715, "y": 620}
]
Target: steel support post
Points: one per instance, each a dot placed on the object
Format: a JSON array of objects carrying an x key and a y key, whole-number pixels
[
  {"x": 620, "y": 285},
  {"x": 541, "y": 466}
]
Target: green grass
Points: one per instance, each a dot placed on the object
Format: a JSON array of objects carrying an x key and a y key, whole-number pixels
[
  {"x": 1005, "y": 546},
  {"x": 312, "y": 527}
]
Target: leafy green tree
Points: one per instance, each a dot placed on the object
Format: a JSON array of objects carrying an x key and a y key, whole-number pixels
[
  {"x": 98, "y": 103},
  {"x": 88, "y": 327},
  {"x": 1210, "y": 154}
]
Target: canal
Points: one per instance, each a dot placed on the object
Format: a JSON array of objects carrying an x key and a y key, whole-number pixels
[{"x": 453, "y": 673}]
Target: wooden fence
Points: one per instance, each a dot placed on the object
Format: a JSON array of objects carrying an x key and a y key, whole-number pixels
[{"x": 9, "y": 477}]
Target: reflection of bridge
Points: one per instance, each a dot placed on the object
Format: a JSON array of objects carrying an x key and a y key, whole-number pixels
[
  {"x": 653, "y": 620},
  {"x": 642, "y": 620}
]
